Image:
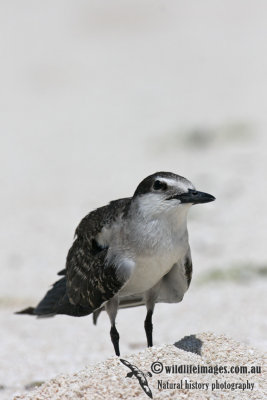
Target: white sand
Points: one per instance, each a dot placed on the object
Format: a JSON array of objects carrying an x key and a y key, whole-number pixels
[{"x": 108, "y": 380}]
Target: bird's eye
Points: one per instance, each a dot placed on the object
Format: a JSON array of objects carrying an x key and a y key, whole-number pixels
[{"x": 158, "y": 185}]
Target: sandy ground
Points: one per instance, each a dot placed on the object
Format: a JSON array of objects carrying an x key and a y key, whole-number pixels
[
  {"x": 222, "y": 357},
  {"x": 95, "y": 98},
  {"x": 36, "y": 350}
]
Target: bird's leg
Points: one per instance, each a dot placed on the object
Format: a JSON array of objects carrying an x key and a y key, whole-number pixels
[
  {"x": 149, "y": 328},
  {"x": 115, "y": 337},
  {"x": 150, "y": 299},
  {"x": 112, "y": 308}
]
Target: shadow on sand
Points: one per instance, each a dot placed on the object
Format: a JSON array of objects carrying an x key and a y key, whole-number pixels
[{"x": 190, "y": 343}]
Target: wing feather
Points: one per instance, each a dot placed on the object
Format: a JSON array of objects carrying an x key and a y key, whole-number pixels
[{"x": 90, "y": 280}]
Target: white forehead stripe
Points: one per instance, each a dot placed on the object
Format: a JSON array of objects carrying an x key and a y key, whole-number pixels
[{"x": 180, "y": 184}]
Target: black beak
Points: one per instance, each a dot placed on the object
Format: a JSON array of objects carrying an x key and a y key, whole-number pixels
[{"x": 194, "y": 197}]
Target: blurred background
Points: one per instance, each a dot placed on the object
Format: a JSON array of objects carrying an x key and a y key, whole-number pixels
[{"x": 96, "y": 95}]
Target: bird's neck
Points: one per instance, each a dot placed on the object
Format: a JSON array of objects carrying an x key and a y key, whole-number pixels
[{"x": 165, "y": 230}]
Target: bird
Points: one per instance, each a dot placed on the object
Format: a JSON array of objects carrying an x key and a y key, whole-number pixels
[
  {"x": 132, "y": 252},
  {"x": 135, "y": 371}
]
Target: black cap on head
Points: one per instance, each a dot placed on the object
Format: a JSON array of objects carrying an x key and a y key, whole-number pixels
[{"x": 147, "y": 184}]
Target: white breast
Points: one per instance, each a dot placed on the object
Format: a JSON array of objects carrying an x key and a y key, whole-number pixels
[
  {"x": 147, "y": 272},
  {"x": 150, "y": 267},
  {"x": 150, "y": 247}
]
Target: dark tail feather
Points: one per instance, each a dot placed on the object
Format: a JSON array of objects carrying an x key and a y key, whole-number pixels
[
  {"x": 62, "y": 272},
  {"x": 29, "y": 310},
  {"x": 55, "y": 302}
]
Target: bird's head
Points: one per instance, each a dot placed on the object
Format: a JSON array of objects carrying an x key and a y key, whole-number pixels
[{"x": 165, "y": 192}]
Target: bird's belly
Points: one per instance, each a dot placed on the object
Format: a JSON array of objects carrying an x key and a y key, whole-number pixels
[{"x": 147, "y": 272}]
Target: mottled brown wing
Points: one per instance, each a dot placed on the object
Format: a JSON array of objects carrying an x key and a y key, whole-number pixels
[
  {"x": 93, "y": 222},
  {"x": 90, "y": 280}
]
